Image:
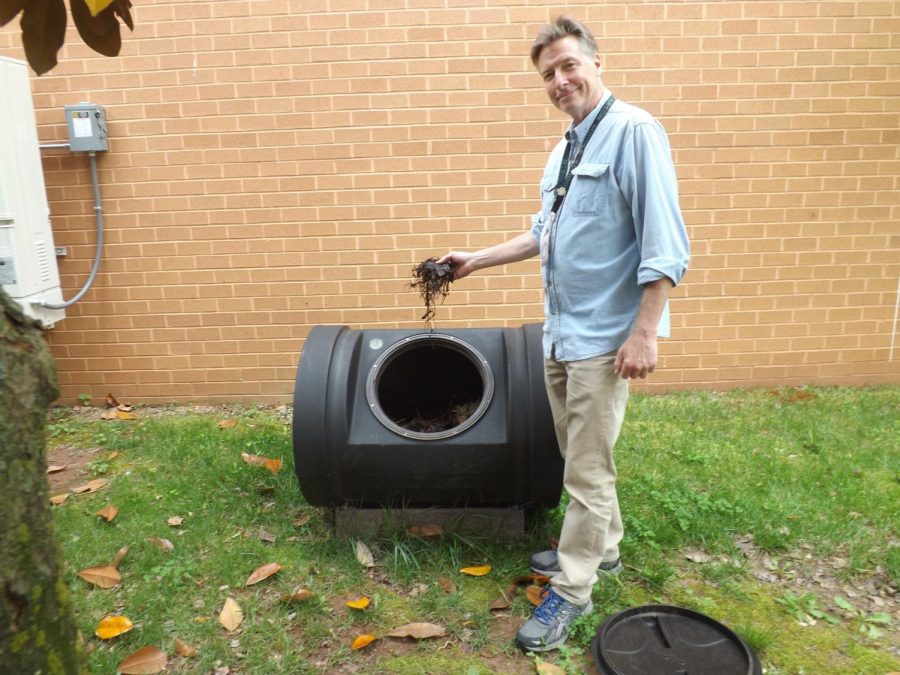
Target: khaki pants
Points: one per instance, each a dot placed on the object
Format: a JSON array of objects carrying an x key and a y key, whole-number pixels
[{"x": 588, "y": 402}]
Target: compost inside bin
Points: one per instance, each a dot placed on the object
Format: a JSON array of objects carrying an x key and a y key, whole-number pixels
[{"x": 430, "y": 387}]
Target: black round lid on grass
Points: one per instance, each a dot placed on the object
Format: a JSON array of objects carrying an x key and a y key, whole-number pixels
[{"x": 666, "y": 640}]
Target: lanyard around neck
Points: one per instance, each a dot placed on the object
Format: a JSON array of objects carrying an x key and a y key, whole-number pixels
[{"x": 565, "y": 171}]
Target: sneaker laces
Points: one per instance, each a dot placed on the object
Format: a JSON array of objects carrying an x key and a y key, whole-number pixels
[{"x": 546, "y": 612}]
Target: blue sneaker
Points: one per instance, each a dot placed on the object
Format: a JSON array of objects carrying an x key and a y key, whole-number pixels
[
  {"x": 547, "y": 563},
  {"x": 549, "y": 627}
]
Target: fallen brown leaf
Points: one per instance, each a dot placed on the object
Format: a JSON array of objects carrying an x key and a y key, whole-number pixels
[
  {"x": 91, "y": 486},
  {"x": 544, "y": 668},
  {"x": 419, "y": 631},
  {"x": 446, "y": 584},
  {"x": 55, "y": 468},
  {"x": 184, "y": 649},
  {"x": 57, "y": 500},
  {"x": 273, "y": 465},
  {"x": 108, "y": 512},
  {"x": 231, "y": 615},
  {"x": 528, "y": 579},
  {"x": 506, "y": 598},
  {"x": 430, "y": 531},
  {"x": 120, "y": 556},
  {"x": 145, "y": 661},
  {"x": 297, "y": 595},
  {"x": 266, "y": 536},
  {"x": 301, "y": 520},
  {"x": 104, "y": 576},
  {"x": 175, "y": 521},
  {"x": 113, "y": 626},
  {"x": 111, "y": 401},
  {"x": 535, "y": 594},
  {"x": 227, "y": 424},
  {"x": 697, "y": 556},
  {"x": 164, "y": 544},
  {"x": 108, "y": 414},
  {"x": 262, "y": 572}
]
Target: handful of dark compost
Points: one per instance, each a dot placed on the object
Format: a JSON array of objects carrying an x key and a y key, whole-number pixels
[{"x": 432, "y": 280}]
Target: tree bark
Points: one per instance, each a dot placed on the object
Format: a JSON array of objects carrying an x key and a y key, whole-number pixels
[{"x": 37, "y": 624}]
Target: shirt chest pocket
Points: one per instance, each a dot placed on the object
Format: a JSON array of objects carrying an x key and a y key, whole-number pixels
[{"x": 592, "y": 187}]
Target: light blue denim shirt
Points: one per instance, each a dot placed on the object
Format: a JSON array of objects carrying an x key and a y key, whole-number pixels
[{"x": 619, "y": 227}]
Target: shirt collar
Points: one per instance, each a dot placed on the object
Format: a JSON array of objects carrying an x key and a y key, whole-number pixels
[{"x": 575, "y": 133}]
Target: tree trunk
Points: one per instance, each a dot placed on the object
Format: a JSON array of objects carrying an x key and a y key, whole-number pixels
[{"x": 37, "y": 624}]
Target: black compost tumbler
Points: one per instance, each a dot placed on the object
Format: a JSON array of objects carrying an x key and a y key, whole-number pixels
[{"x": 399, "y": 418}]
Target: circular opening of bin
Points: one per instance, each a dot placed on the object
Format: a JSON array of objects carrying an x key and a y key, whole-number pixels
[{"x": 429, "y": 386}]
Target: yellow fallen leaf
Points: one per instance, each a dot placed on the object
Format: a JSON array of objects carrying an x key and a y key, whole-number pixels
[
  {"x": 418, "y": 631},
  {"x": 297, "y": 595},
  {"x": 113, "y": 455},
  {"x": 262, "y": 572},
  {"x": 359, "y": 603},
  {"x": 57, "y": 500},
  {"x": 544, "y": 668},
  {"x": 175, "y": 521},
  {"x": 231, "y": 615},
  {"x": 145, "y": 661},
  {"x": 104, "y": 576},
  {"x": 227, "y": 424},
  {"x": 477, "y": 571},
  {"x": 125, "y": 415},
  {"x": 363, "y": 641},
  {"x": 120, "y": 556},
  {"x": 113, "y": 626},
  {"x": 184, "y": 649},
  {"x": 273, "y": 465},
  {"x": 108, "y": 512}
]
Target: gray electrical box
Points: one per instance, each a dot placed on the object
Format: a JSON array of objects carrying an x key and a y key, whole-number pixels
[{"x": 87, "y": 127}]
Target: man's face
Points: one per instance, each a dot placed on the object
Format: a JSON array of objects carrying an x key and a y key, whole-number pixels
[{"x": 571, "y": 77}]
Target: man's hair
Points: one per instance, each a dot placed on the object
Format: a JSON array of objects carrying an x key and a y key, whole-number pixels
[{"x": 563, "y": 26}]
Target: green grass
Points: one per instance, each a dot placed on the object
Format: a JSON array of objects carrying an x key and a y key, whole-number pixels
[{"x": 811, "y": 475}]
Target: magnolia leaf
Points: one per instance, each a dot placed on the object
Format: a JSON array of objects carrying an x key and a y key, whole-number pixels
[
  {"x": 262, "y": 572},
  {"x": 535, "y": 594},
  {"x": 164, "y": 544},
  {"x": 430, "y": 531},
  {"x": 477, "y": 571},
  {"x": 101, "y": 32},
  {"x": 102, "y": 577},
  {"x": 145, "y": 661},
  {"x": 364, "y": 555},
  {"x": 56, "y": 500},
  {"x": 108, "y": 512},
  {"x": 266, "y": 536},
  {"x": 184, "y": 649},
  {"x": 544, "y": 668},
  {"x": 175, "y": 521},
  {"x": 125, "y": 415},
  {"x": 120, "y": 556},
  {"x": 55, "y": 468},
  {"x": 506, "y": 598},
  {"x": 9, "y": 9},
  {"x": 446, "y": 584},
  {"x": 108, "y": 414},
  {"x": 363, "y": 641},
  {"x": 297, "y": 595},
  {"x": 227, "y": 424},
  {"x": 359, "y": 603},
  {"x": 43, "y": 32},
  {"x": 91, "y": 486},
  {"x": 113, "y": 626},
  {"x": 418, "y": 631},
  {"x": 231, "y": 615}
]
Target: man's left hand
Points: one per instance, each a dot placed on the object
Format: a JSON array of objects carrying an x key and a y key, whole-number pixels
[{"x": 637, "y": 357}]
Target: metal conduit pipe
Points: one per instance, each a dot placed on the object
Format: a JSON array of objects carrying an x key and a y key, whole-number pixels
[{"x": 98, "y": 209}]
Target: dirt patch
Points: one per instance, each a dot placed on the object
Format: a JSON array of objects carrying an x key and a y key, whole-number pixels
[{"x": 76, "y": 469}]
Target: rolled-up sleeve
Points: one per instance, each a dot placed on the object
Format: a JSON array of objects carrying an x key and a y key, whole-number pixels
[{"x": 649, "y": 183}]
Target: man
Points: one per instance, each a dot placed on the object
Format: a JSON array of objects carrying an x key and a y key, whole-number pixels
[{"x": 612, "y": 243}]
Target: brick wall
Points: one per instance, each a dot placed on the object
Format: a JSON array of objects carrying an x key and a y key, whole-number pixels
[{"x": 278, "y": 164}]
